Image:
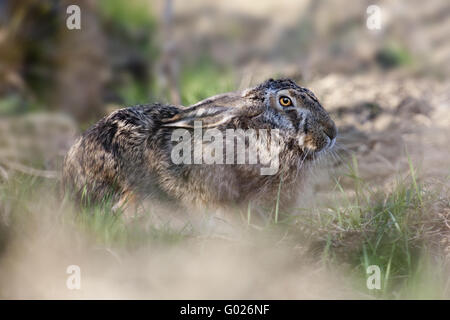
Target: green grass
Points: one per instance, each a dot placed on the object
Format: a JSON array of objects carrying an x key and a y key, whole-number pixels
[
  {"x": 388, "y": 228},
  {"x": 28, "y": 200},
  {"x": 106, "y": 226}
]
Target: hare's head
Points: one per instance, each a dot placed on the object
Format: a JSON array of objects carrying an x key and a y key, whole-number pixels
[
  {"x": 280, "y": 104},
  {"x": 296, "y": 108}
]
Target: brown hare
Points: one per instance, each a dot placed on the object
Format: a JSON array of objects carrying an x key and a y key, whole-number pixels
[{"x": 151, "y": 151}]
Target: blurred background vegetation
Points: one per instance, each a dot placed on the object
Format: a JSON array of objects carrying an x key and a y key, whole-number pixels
[{"x": 130, "y": 52}]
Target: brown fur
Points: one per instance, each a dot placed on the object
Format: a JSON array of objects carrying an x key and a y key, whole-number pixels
[{"x": 128, "y": 153}]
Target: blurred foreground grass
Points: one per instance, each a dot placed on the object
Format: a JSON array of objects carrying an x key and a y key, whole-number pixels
[{"x": 398, "y": 230}]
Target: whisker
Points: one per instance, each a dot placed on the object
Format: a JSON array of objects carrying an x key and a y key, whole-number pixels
[{"x": 299, "y": 167}]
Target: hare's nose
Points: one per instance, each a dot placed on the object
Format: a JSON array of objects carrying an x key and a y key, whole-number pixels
[{"x": 330, "y": 130}]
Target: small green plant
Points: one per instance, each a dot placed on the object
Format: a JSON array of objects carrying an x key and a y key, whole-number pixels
[
  {"x": 202, "y": 80},
  {"x": 393, "y": 55}
]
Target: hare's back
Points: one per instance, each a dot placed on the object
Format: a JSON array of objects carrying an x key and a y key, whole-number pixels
[{"x": 105, "y": 156}]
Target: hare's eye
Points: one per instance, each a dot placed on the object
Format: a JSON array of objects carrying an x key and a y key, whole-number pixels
[{"x": 285, "y": 101}]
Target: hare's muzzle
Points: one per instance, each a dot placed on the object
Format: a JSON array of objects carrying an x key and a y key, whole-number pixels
[
  {"x": 319, "y": 135},
  {"x": 330, "y": 131}
]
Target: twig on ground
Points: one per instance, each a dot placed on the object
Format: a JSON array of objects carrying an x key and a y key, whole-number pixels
[{"x": 48, "y": 174}]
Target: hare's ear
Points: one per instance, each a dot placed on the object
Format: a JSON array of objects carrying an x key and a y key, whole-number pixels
[{"x": 207, "y": 116}]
